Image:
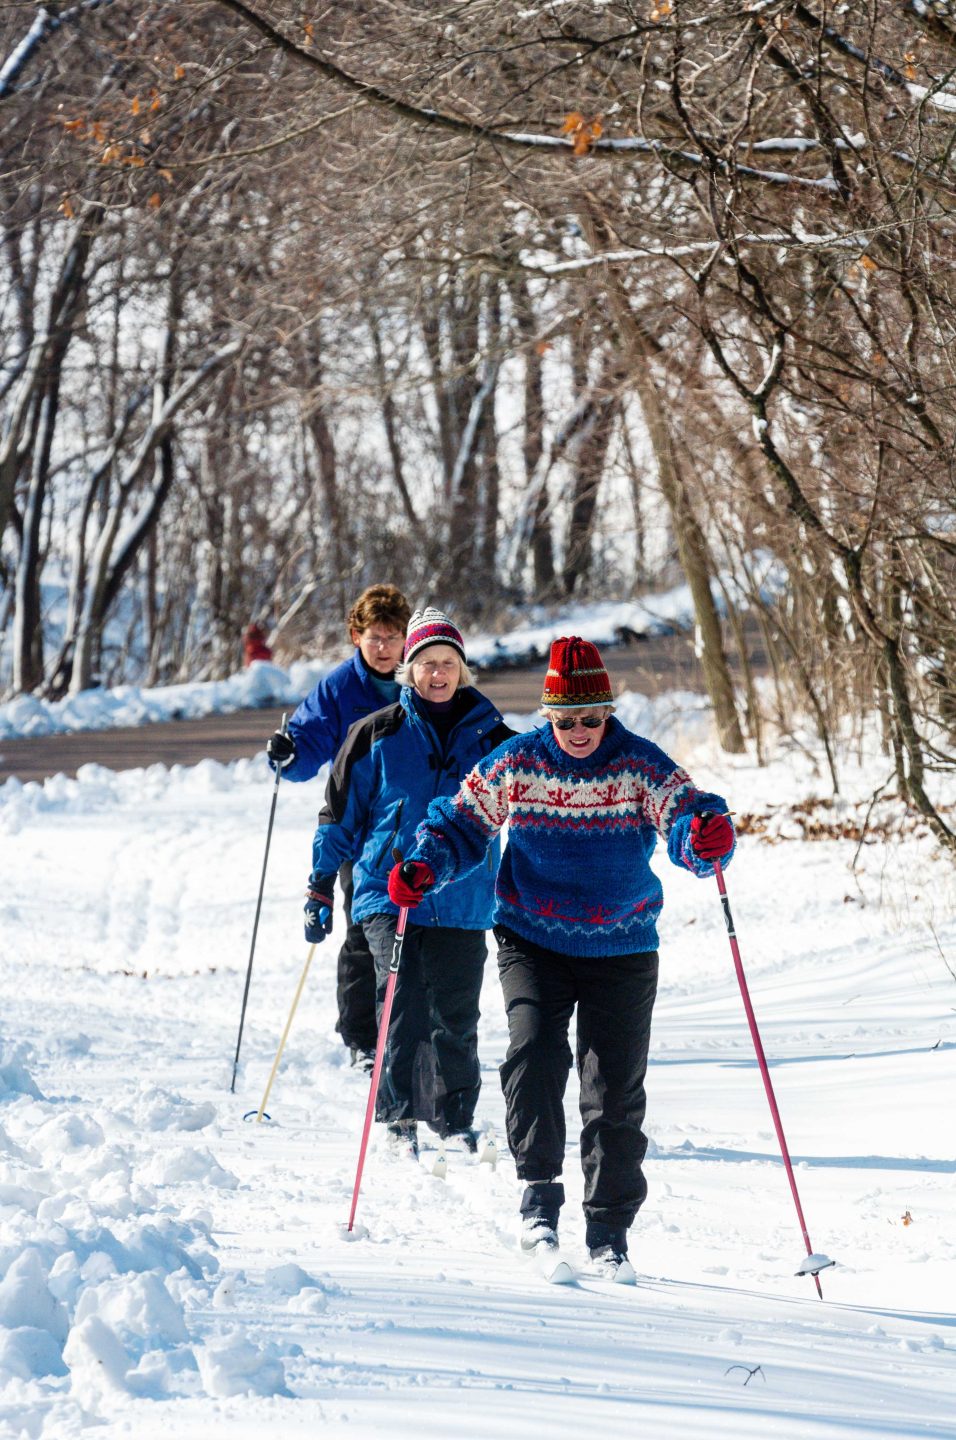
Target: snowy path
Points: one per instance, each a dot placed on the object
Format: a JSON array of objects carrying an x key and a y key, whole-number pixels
[{"x": 194, "y": 1266}]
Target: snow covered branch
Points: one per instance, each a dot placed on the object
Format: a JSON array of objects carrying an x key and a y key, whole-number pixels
[
  {"x": 523, "y": 140},
  {"x": 45, "y": 23},
  {"x": 852, "y": 243}
]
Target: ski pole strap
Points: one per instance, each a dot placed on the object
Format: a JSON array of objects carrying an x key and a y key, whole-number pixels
[
  {"x": 397, "y": 943},
  {"x": 724, "y": 900}
]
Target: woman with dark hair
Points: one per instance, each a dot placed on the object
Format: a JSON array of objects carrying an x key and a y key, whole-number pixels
[{"x": 365, "y": 682}]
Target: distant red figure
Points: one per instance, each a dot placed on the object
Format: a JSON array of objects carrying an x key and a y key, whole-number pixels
[{"x": 254, "y": 645}]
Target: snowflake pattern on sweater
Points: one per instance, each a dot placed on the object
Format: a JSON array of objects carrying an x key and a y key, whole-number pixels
[{"x": 575, "y": 875}]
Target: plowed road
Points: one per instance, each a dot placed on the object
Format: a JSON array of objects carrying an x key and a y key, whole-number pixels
[{"x": 649, "y": 667}]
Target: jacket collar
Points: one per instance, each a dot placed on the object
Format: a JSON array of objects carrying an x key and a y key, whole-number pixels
[
  {"x": 364, "y": 675},
  {"x": 482, "y": 715}
]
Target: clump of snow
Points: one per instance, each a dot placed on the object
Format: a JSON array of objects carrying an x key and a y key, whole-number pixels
[
  {"x": 288, "y": 1279},
  {"x": 157, "y": 1109},
  {"x": 15, "y": 1079},
  {"x": 95, "y": 1275},
  {"x": 189, "y": 1165},
  {"x": 25, "y": 1297},
  {"x": 235, "y": 1365}
]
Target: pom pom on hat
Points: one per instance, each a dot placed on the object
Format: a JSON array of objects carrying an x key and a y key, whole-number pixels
[
  {"x": 576, "y": 677},
  {"x": 431, "y": 627}
]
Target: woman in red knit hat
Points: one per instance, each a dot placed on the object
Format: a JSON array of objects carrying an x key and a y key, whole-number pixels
[{"x": 576, "y": 905}]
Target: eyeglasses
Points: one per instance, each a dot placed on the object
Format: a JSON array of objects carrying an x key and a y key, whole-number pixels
[
  {"x": 590, "y": 722},
  {"x": 383, "y": 642}
]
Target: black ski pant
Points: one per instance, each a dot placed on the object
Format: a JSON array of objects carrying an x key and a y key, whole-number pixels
[
  {"x": 431, "y": 1069},
  {"x": 355, "y": 988},
  {"x": 614, "y": 996}
]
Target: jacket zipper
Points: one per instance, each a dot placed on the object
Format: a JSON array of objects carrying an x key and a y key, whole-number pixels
[{"x": 392, "y": 838}]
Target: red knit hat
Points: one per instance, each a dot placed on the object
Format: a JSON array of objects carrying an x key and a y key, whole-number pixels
[{"x": 576, "y": 677}]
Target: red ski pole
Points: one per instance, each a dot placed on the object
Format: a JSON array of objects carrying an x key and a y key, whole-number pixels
[
  {"x": 814, "y": 1263},
  {"x": 379, "y": 1054}
]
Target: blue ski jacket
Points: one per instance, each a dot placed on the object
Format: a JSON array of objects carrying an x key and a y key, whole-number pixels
[
  {"x": 391, "y": 767},
  {"x": 321, "y": 722}
]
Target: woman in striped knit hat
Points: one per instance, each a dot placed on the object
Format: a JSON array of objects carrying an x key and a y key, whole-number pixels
[
  {"x": 391, "y": 765},
  {"x": 576, "y": 905}
]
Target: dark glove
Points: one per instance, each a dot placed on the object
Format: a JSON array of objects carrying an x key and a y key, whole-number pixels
[
  {"x": 281, "y": 750},
  {"x": 318, "y": 911},
  {"x": 408, "y": 883},
  {"x": 711, "y": 836}
]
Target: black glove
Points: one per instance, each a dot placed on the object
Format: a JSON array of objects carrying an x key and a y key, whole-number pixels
[
  {"x": 281, "y": 750},
  {"x": 318, "y": 909}
]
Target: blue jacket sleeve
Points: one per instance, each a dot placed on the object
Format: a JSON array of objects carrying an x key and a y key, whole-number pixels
[
  {"x": 343, "y": 819},
  {"x": 316, "y": 728}
]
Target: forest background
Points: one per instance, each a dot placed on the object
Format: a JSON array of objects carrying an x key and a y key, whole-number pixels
[{"x": 506, "y": 302}]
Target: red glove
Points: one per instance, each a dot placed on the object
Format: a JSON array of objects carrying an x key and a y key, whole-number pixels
[
  {"x": 408, "y": 882},
  {"x": 711, "y": 836}
]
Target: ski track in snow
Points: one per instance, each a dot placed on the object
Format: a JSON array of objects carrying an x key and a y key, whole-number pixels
[{"x": 167, "y": 1266}]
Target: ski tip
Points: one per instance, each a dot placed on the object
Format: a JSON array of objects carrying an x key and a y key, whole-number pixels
[
  {"x": 488, "y": 1154},
  {"x": 550, "y": 1265},
  {"x": 813, "y": 1264},
  {"x": 560, "y": 1274}
]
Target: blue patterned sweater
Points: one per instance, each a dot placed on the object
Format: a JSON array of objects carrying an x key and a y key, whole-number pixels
[{"x": 575, "y": 875}]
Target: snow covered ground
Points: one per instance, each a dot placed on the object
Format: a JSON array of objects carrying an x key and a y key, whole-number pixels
[{"x": 167, "y": 1268}]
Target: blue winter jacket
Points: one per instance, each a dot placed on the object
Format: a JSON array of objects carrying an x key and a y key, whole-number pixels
[
  {"x": 321, "y": 723},
  {"x": 392, "y": 765}
]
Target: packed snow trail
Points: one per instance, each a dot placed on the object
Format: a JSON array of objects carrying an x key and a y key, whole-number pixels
[{"x": 165, "y": 1266}]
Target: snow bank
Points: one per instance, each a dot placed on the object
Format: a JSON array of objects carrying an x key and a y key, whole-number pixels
[
  {"x": 98, "y": 1265},
  {"x": 261, "y": 684}
]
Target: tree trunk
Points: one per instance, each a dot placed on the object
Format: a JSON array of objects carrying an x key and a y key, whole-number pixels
[
  {"x": 691, "y": 543},
  {"x": 65, "y": 305},
  {"x": 532, "y": 448},
  {"x": 390, "y": 418},
  {"x": 590, "y": 457}
]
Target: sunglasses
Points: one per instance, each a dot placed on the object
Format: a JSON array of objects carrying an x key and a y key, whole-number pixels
[{"x": 590, "y": 722}]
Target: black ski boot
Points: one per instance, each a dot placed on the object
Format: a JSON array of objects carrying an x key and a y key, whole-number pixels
[{"x": 403, "y": 1138}]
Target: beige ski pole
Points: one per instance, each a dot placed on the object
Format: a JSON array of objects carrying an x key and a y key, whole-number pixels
[{"x": 285, "y": 1033}]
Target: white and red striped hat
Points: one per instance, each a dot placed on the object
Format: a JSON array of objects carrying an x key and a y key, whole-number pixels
[{"x": 431, "y": 627}]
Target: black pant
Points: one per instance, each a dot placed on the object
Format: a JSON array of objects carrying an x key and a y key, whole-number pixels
[
  {"x": 431, "y": 1070},
  {"x": 355, "y": 989},
  {"x": 614, "y": 996}
]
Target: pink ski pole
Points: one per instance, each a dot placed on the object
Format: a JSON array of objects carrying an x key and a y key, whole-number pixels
[
  {"x": 379, "y": 1054},
  {"x": 814, "y": 1263}
]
